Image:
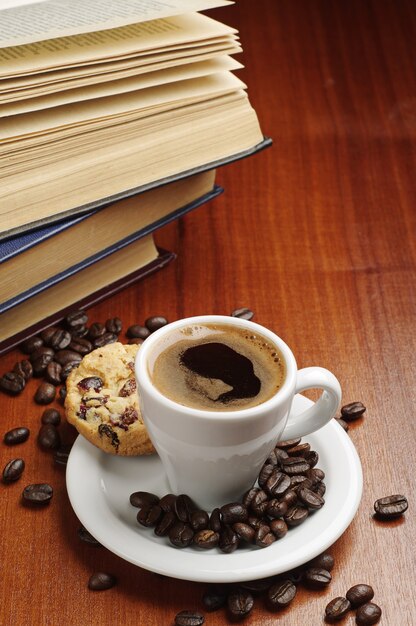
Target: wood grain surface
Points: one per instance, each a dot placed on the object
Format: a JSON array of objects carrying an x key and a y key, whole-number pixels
[{"x": 316, "y": 235}]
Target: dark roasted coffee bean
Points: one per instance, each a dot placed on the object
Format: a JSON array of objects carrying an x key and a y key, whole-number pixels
[
  {"x": 244, "y": 531},
  {"x": 342, "y": 423},
  {"x": 323, "y": 561},
  {"x": 312, "y": 458},
  {"x": 295, "y": 465},
  {"x": 233, "y": 512},
  {"x": 360, "y": 594},
  {"x": 43, "y": 351},
  {"x": 259, "y": 503},
  {"x": 215, "y": 598},
  {"x": 45, "y": 393},
  {"x": 16, "y": 435},
  {"x": 167, "y": 503},
  {"x": 337, "y": 609},
  {"x": 277, "y": 483},
  {"x": 290, "y": 497},
  {"x": 47, "y": 334},
  {"x": 299, "y": 479},
  {"x": 280, "y": 455},
  {"x": 24, "y": 369},
  {"x": 206, "y": 539},
  {"x": 165, "y": 524},
  {"x": 48, "y": 437},
  {"x": 199, "y": 520},
  {"x": 53, "y": 373},
  {"x": 276, "y": 508},
  {"x": 96, "y": 330},
  {"x": 315, "y": 475},
  {"x": 215, "y": 520},
  {"x": 317, "y": 578},
  {"x": 100, "y": 581},
  {"x": 368, "y": 614},
  {"x": 240, "y": 602},
  {"x": 278, "y": 527},
  {"x": 12, "y": 383},
  {"x": 243, "y": 314},
  {"x": 228, "y": 540},
  {"x": 254, "y": 521},
  {"x": 155, "y": 322},
  {"x": 51, "y": 416},
  {"x": 80, "y": 345},
  {"x": 249, "y": 495},
  {"x": 271, "y": 459},
  {"x": 137, "y": 332},
  {"x": 62, "y": 395},
  {"x": 75, "y": 319},
  {"x": 296, "y": 515},
  {"x": 67, "y": 356},
  {"x": 60, "y": 339},
  {"x": 281, "y": 594},
  {"x": 184, "y": 507},
  {"x": 143, "y": 498},
  {"x": 86, "y": 537},
  {"x": 352, "y": 411},
  {"x": 289, "y": 443},
  {"x": 37, "y": 494},
  {"x": 41, "y": 363},
  {"x": 265, "y": 473},
  {"x": 390, "y": 507},
  {"x": 189, "y": 618},
  {"x": 61, "y": 455},
  {"x": 79, "y": 332},
  {"x": 114, "y": 325},
  {"x": 310, "y": 499},
  {"x": 264, "y": 536},
  {"x": 181, "y": 535},
  {"x": 31, "y": 344},
  {"x": 300, "y": 450},
  {"x": 149, "y": 515},
  {"x": 67, "y": 369},
  {"x": 319, "y": 488},
  {"x": 105, "y": 340},
  {"x": 13, "y": 470}
]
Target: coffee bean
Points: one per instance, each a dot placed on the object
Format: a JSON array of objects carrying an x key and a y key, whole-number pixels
[
  {"x": 296, "y": 515},
  {"x": 228, "y": 540},
  {"x": 79, "y": 332},
  {"x": 61, "y": 455},
  {"x": 215, "y": 520},
  {"x": 13, "y": 470},
  {"x": 215, "y": 598},
  {"x": 337, "y": 609},
  {"x": 167, "y": 503},
  {"x": 37, "y": 494},
  {"x": 254, "y": 521},
  {"x": 100, "y": 581},
  {"x": 265, "y": 473},
  {"x": 206, "y": 539},
  {"x": 80, "y": 345},
  {"x": 184, "y": 507},
  {"x": 368, "y": 614},
  {"x": 24, "y": 369},
  {"x": 45, "y": 393},
  {"x": 312, "y": 458},
  {"x": 290, "y": 497},
  {"x": 165, "y": 523},
  {"x": 199, "y": 520},
  {"x": 51, "y": 416},
  {"x": 48, "y": 437},
  {"x": 189, "y": 618},
  {"x": 249, "y": 495},
  {"x": 31, "y": 344},
  {"x": 342, "y": 423},
  {"x": 317, "y": 578},
  {"x": 53, "y": 373},
  {"x": 86, "y": 537},
  {"x": 105, "y": 340},
  {"x": 244, "y": 531},
  {"x": 290, "y": 443},
  {"x": 75, "y": 319},
  {"x": 96, "y": 330},
  {"x": 143, "y": 498},
  {"x": 295, "y": 465},
  {"x": 41, "y": 362},
  {"x": 276, "y": 509},
  {"x": 390, "y": 507},
  {"x": 300, "y": 450},
  {"x": 315, "y": 475},
  {"x": 323, "y": 561},
  {"x": 155, "y": 322},
  {"x": 299, "y": 479},
  {"x": 16, "y": 435},
  {"x": 243, "y": 314},
  {"x": 114, "y": 325},
  {"x": 67, "y": 369},
  {"x": 278, "y": 527},
  {"x": 43, "y": 351},
  {"x": 280, "y": 455},
  {"x": 360, "y": 594},
  {"x": 181, "y": 535},
  {"x": 281, "y": 594},
  {"x": 240, "y": 602},
  {"x": 137, "y": 332},
  {"x": 352, "y": 411},
  {"x": 277, "y": 483},
  {"x": 233, "y": 512},
  {"x": 260, "y": 502},
  {"x": 62, "y": 395},
  {"x": 60, "y": 339},
  {"x": 264, "y": 536},
  {"x": 12, "y": 383},
  {"x": 320, "y": 489},
  {"x": 149, "y": 515},
  {"x": 47, "y": 334},
  {"x": 310, "y": 499},
  {"x": 67, "y": 356}
]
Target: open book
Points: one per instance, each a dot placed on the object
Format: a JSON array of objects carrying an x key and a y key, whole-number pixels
[{"x": 93, "y": 107}]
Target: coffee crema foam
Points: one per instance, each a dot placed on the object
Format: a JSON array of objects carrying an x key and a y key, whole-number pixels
[{"x": 217, "y": 367}]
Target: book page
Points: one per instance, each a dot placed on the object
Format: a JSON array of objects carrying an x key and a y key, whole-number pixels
[{"x": 49, "y": 19}]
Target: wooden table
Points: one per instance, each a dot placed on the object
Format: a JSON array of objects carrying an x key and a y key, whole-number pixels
[{"x": 317, "y": 236}]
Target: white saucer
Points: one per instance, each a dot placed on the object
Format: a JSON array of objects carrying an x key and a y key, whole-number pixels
[{"x": 99, "y": 486}]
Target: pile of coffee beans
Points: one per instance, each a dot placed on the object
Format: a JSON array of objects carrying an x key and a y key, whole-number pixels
[
  {"x": 289, "y": 488},
  {"x": 357, "y": 597}
]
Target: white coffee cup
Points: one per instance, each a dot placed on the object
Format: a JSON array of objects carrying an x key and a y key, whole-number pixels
[{"x": 215, "y": 456}]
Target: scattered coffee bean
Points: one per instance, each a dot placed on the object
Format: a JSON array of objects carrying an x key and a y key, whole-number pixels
[
  {"x": 167, "y": 503},
  {"x": 243, "y": 314},
  {"x": 41, "y": 362},
  {"x": 279, "y": 528},
  {"x": 24, "y": 369},
  {"x": 105, "y": 340},
  {"x": 53, "y": 373},
  {"x": 189, "y": 618},
  {"x": 165, "y": 523},
  {"x": 149, "y": 515},
  {"x": 352, "y": 411},
  {"x": 249, "y": 496},
  {"x": 51, "y": 416},
  {"x": 60, "y": 339},
  {"x": 312, "y": 458},
  {"x": 206, "y": 539},
  {"x": 233, "y": 512},
  {"x": 290, "y": 497},
  {"x": 215, "y": 520},
  {"x": 199, "y": 520},
  {"x": 100, "y": 581},
  {"x": 114, "y": 325},
  {"x": 295, "y": 465},
  {"x": 61, "y": 455},
  {"x": 368, "y": 614},
  {"x": 45, "y": 393},
  {"x": 67, "y": 369},
  {"x": 47, "y": 334},
  {"x": 137, "y": 332},
  {"x": 75, "y": 319},
  {"x": 300, "y": 450},
  {"x": 263, "y": 536},
  {"x": 96, "y": 330},
  {"x": 184, "y": 507},
  {"x": 181, "y": 535},
  {"x": 265, "y": 473},
  {"x": 390, "y": 507},
  {"x": 240, "y": 602},
  {"x": 342, "y": 423},
  {"x": 310, "y": 499},
  {"x": 317, "y": 578},
  {"x": 360, "y": 594},
  {"x": 143, "y": 498},
  {"x": 86, "y": 537},
  {"x": 276, "y": 508},
  {"x": 323, "y": 561},
  {"x": 48, "y": 437},
  {"x": 290, "y": 443},
  {"x": 296, "y": 515},
  {"x": 13, "y": 470},
  {"x": 281, "y": 594},
  {"x": 31, "y": 344},
  {"x": 43, "y": 351},
  {"x": 277, "y": 483},
  {"x": 16, "y": 435},
  {"x": 228, "y": 540},
  {"x": 37, "y": 494},
  {"x": 155, "y": 322},
  {"x": 80, "y": 345},
  {"x": 337, "y": 609},
  {"x": 320, "y": 489},
  {"x": 244, "y": 531},
  {"x": 67, "y": 356},
  {"x": 79, "y": 332},
  {"x": 62, "y": 395},
  {"x": 12, "y": 383},
  {"x": 215, "y": 598}
]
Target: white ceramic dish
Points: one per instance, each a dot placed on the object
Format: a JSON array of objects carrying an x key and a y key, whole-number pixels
[{"x": 99, "y": 486}]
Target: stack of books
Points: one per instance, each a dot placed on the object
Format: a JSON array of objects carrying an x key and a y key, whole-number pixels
[{"x": 113, "y": 120}]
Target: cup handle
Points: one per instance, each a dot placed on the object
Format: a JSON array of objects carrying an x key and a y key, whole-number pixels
[{"x": 322, "y": 411}]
